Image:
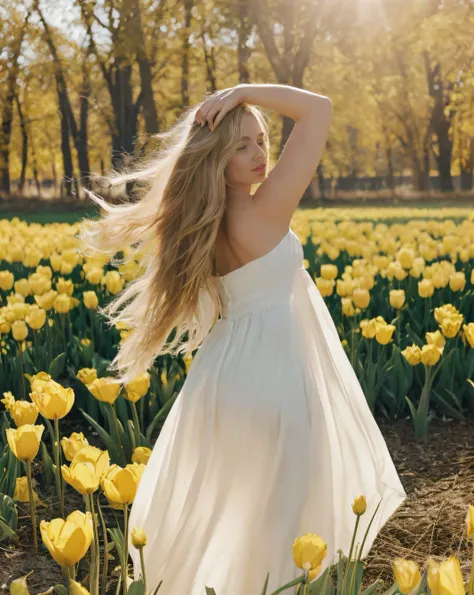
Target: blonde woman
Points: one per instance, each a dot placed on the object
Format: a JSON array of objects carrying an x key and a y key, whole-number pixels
[{"x": 271, "y": 435}]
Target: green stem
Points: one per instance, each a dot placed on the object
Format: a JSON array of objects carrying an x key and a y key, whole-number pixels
[
  {"x": 136, "y": 423},
  {"x": 105, "y": 566},
  {"x": 125, "y": 549},
  {"x": 142, "y": 562},
  {"x": 350, "y": 551},
  {"x": 95, "y": 586},
  {"x": 57, "y": 459},
  {"x": 32, "y": 505},
  {"x": 92, "y": 559}
]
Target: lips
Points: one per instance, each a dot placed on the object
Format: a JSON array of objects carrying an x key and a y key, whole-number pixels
[{"x": 260, "y": 167}]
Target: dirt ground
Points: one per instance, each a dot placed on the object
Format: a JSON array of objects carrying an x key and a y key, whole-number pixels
[{"x": 438, "y": 478}]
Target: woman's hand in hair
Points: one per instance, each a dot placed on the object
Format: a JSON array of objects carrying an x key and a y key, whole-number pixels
[{"x": 214, "y": 108}]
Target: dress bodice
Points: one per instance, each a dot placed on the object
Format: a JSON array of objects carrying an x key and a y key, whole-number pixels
[{"x": 263, "y": 281}]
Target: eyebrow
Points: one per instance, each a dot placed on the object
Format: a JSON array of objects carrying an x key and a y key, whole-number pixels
[{"x": 248, "y": 137}]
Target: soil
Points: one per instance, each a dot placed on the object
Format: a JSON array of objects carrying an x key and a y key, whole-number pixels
[{"x": 438, "y": 477}]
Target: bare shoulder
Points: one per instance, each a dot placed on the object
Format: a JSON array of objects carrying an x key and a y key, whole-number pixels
[{"x": 247, "y": 237}]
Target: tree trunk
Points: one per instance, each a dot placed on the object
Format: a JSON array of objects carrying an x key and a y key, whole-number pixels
[
  {"x": 441, "y": 124},
  {"x": 7, "y": 104}
]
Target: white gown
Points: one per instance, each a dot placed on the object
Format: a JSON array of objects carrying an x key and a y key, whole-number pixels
[{"x": 270, "y": 437}]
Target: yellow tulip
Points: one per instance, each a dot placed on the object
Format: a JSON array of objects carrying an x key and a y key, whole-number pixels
[
  {"x": 436, "y": 338},
  {"x": 24, "y": 412},
  {"x": 98, "y": 458},
  {"x": 8, "y": 400},
  {"x": 407, "y": 575},
  {"x": 412, "y": 354},
  {"x": 405, "y": 257},
  {"x": 397, "y": 298},
  {"x": 104, "y": 389},
  {"x": 46, "y": 300},
  {"x": 21, "y": 490},
  {"x": 68, "y": 540},
  {"x": 81, "y": 477},
  {"x": 325, "y": 286},
  {"x": 54, "y": 401},
  {"x": 457, "y": 281},
  {"x": 72, "y": 445},
  {"x": 433, "y": 576},
  {"x": 25, "y": 441},
  {"x": 86, "y": 375},
  {"x": 62, "y": 303},
  {"x": 430, "y": 354},
  {"x": 309, "y": 551},
  {"x": 119, "y": 484},
  {"x": 36, "y": 318},
  {"x": 19, "y": 330},
  {"x": 141, "y": 454},
  {"x": 90, "y": 300},
  {"x": 450, "y": 577},
  {"x": 384, "y": 334},
  {"x": 443, "y": 311},
  {"x": 38, "y": 380},
  {"x": 470, "y": 522},
  {"x": 329, "y": 271},
  {"x": 6, "y": 280},
  {"x": 138, "y": 537},
  {"x": 114, "y": 282},
  {"x": 450, "y": 325},
  {"x": 469, "y": 333},
  {"x": 347, "y": 307},
  {"x": 361, "y": 298},
  {"x": 359, "y": 506},
  {"x": 138, "y": 387},
  {"x": 76, "y": 588},
  {"x": 425, "y": 288}
]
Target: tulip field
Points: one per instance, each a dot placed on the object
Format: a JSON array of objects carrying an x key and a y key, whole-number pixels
[{"x": 399, "y": 283}]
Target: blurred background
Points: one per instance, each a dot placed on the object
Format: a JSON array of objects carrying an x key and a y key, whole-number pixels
[{"x": 83, "y": 85}]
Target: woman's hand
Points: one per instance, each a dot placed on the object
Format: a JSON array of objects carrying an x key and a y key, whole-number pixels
[{"x": 212, "y": 110}]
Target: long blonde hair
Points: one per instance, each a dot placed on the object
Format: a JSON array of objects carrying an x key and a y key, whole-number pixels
[{"x": 174, "y": 221}]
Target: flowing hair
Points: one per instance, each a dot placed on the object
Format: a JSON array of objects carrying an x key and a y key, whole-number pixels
[{"x": 171, "y": 227}]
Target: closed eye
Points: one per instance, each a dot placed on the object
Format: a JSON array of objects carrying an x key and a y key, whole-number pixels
[{"x": 245, "y": 146}]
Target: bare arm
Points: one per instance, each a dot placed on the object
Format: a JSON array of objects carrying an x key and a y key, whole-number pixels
[
  {"x": 284, "y": 99},
  {"x": 279, "y": 194}
]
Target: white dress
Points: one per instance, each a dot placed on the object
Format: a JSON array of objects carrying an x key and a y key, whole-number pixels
[{"x": 270, "y": 437}]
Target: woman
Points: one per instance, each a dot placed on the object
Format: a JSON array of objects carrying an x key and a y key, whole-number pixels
[{"x": 271, "y": 435}]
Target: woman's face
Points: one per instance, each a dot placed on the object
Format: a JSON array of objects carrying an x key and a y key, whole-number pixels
[{"x": 249, "y": 153}]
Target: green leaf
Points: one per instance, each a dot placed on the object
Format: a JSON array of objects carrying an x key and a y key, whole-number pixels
[
  {"x": 136, "y": 588},
  {"x": 56, "y": 367},
  {"x": 109, "y": 443}
]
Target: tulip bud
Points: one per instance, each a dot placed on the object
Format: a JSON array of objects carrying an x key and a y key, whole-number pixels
[
  {"x": 359, "y": 505},
  {"x": 138, "y": 537}
]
